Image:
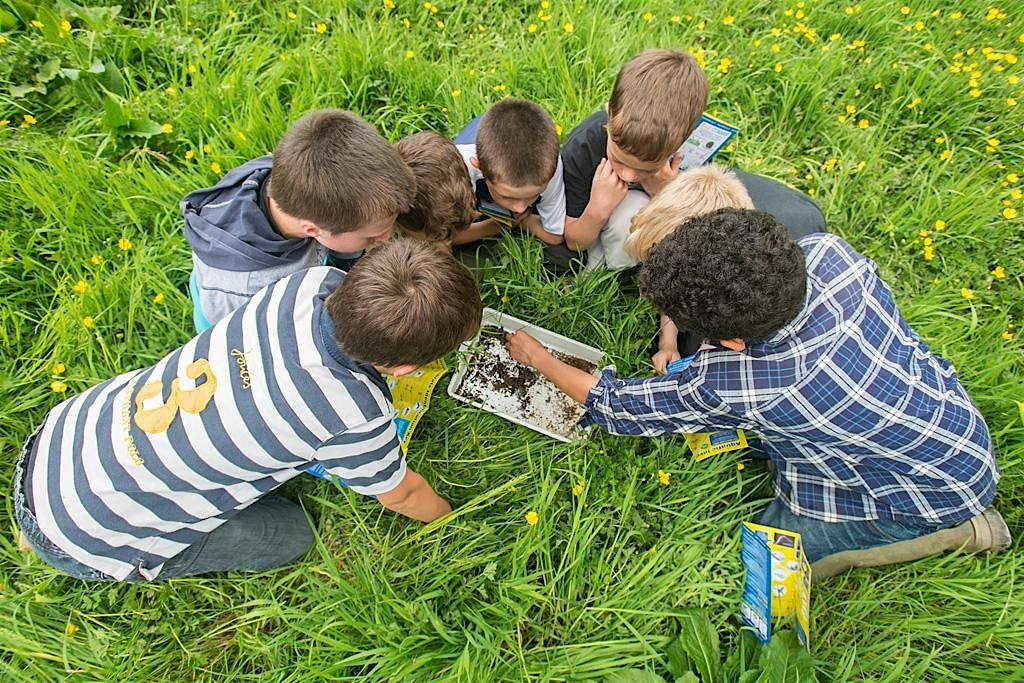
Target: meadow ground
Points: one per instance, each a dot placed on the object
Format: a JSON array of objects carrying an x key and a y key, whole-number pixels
[{"x": 903, "y": 122}]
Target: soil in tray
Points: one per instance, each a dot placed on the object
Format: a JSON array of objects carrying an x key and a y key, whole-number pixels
[{"x": 501, "y": 384}]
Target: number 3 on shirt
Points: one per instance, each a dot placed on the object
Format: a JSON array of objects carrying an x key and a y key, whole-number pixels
[{"x": 156, "y": 420}]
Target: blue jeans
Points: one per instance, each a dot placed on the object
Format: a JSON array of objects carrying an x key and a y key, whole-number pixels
[
  {"x": 272, "y": 532},
  {"x": 825, "y": 538}
]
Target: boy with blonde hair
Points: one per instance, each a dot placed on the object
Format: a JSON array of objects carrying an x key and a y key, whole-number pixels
[
  {"x": 511, "y": 154},
  {"x": 692, "y": 193},
  {"x": 444, "y": 203},
  {"x": 618, "y": 158}
]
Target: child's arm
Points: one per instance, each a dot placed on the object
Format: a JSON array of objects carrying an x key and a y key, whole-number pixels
[
  {"x": 606, "y": 192},
  {"x": 415, "y": 499},
  {"x": 533, "y": 225},
  {"x": 477, "y": 231},
  {"x": 574, "y": 382},
  {"x": 668, "y": 349}
]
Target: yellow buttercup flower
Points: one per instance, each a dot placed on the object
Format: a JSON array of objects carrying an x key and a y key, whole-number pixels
[
  {"x": 532, "y": 518},
  {"x": 189, "y": 153},
  {"x": 577, "y": 489},
  {"x": 80, "y": 287},
  {"x": 1009, "y": 213},
  {"x": 940, "y": 225},
  {"x": 648, "y": 16},
  {"x": 567, "y": 27},
  {"x": 88, "y": 321},
  {"x": 158, "y": 298},
  {"x": 946, "y": 154},
  {"x": 999, "y": 272},
  {"x": 29, "y": 119},
  {"x": 966, "y": 293},
  {"x": 37, "y": 23},
  {"x": 320, "y": 27},
  {"x": 58, "y": 368},
  {"x": 168, "y": 128},
  {"x": 863, "y": 123},
  {"x": 70, "y": 630},
  {"x": 409, "y": 54},
  {"x": 664, "y": 477},
  {"x": 1007, "y": 335},
  {"x": 96, "y": 259},
  {"x": 728, "y": 20},
  {"x": 215, "y": 167},
  {"x": 124, "y": 244}
]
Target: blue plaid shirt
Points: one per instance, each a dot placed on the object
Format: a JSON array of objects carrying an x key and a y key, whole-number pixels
[{"x": 860, "y": 419}]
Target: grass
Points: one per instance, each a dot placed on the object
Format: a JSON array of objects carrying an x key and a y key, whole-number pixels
[{"x": 596, "y": 584}]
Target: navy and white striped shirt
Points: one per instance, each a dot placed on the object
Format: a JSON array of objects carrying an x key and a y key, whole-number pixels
[
  {"x": 131, "y": 472},
  {"x": 862, "y": 421}
]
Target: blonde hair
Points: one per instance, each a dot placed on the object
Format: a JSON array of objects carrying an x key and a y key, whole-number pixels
[{"x": 694, "y": 192}]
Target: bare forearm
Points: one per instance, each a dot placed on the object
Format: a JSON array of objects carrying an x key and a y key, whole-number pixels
[
  {"x": 477, "y": 231},
  {"x": 668, "y": 338},
  {"x": 533, "y": 225},
  {"x": 417, "y": 500},
  {"x": 575, "y": 383},
  {"x": 581, "y": 232}
]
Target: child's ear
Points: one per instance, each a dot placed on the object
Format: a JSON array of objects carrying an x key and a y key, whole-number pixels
[
  {"x": 733, "y": 344},
  {"x": 309, "y": 228},
  {"x": 475, "y": 163}
]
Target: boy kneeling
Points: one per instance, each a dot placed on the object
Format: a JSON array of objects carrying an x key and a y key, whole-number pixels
[
  {"x": 165, "y": 471},
  {"x": 880, "y": 455}
]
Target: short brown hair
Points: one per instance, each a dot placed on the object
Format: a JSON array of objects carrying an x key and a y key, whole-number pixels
[
  {"x": 658, "y": 98},
  {"x": 693, "y": 192},
  {"x": 517, "y": 144},
  {"x": 334, "y": 169},
  {"x": 444, "y": 203},
  {"x": 405, "y": 302}
]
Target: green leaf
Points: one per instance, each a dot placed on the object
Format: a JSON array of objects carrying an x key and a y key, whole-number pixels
[
  {"x": 688, "y": 677},
  {"x": 113, "y": 114},
  {"x": 48, "y": 71},
  {"x": 96, "y": 67},
  {"x": 699, "y": 641},
  {"x": 633, "y": 676},
  {"x": 143, "y": 128},
  {"x": 22, "y": 90},
  {"x": 679, "y": 663},
  {"x": 112, "y": 80},
  {"x": 70, "y": 74},
  {"x": 784, "y": 660},
  {"x": 7, "y": 20}
]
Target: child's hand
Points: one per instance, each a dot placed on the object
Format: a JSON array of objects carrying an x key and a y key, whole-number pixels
[
  {"x": 662, "y": 358},
  {"x": 653, "y": 184},
  {"x": 525, "y": 349},
  {"x": 606, "y": 190}
]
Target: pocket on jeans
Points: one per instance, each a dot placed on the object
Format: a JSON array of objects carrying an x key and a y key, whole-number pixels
[{"x": 891, "y": 531}]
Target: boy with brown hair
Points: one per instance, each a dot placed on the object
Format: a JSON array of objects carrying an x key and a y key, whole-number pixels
[
  {"x": 513, "y": 163},
  {"x": 333, "y": 183},
  {"x": 444, "y": 203},
  {"x": 169, "y": 470},
  {"x": 620, "y": 157},
  {"x": 691, "y": 193}
]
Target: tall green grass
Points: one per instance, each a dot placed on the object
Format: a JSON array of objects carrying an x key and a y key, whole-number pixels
[{"x": 596, "y": 585}]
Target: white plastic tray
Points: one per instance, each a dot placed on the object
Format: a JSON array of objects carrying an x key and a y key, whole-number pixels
[{"x": 551, "y": 340}]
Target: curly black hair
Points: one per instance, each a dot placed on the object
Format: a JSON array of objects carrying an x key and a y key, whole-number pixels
[{"x": 728, "y": 274}]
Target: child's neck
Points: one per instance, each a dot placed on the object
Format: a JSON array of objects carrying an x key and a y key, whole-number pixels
[{"x": 287, "y": 226}]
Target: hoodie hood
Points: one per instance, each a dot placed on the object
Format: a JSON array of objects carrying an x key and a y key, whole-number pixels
[{"x": 229, "y": 227}]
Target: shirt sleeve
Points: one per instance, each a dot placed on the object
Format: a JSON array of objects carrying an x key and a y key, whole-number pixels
[
  {"x": 581, "y": 155},
  {"x": 367, "y": 458},
  {"x": 653, "y": 405},
  {"x": 552, "y": 204}
]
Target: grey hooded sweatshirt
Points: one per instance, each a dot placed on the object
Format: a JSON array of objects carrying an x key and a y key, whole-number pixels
[{"x": 236, "y": 248}]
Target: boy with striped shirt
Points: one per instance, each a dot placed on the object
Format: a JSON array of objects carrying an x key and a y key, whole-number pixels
[{"x": 166, "y": 471}]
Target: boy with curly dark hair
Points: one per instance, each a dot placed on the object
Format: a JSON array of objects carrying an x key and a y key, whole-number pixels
[{"x": 880, "y": 455}]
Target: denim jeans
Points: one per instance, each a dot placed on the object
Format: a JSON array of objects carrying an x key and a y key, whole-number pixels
[
  {"x": 825, "y": 538},
  {"x": 272, "y": 532}
]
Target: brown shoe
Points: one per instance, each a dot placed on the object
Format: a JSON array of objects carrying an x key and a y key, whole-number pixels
[{"x": 981, "y": 533}]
